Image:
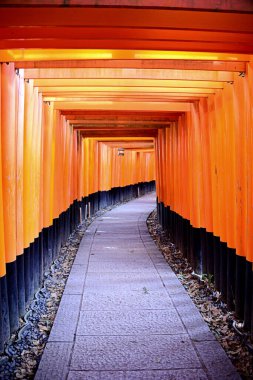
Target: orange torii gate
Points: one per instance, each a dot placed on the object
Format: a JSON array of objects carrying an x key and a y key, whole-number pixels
[{"x": 169, "y": 82}]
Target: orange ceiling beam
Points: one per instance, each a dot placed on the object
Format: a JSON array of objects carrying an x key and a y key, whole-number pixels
[
  {"x": 116, "y": 43},
  {"x": 131, "y": 106},
  {"x": 118, "y": 133},
  {"x": 129, "y": 17},
  {"x": 116, "y": 122},
  {"x": 169, "y": 97},
  {"x": 130, "y": 83},
  {"x": 178, "y": 64},
  {"x": 198, "y": 46},
  {"x": 142, "y": 150},
  {"x": 93, "y": 73},
  {"x": 15, "y": 34},
  {"x": 100, "y": 116},
  {"x": 109, "y": 139},
  {"x": 127, "y": 28},
  {"x": 115, "y": 126},
  {"x": 117, "y": 54},
  {"x": 119, "y": 113},
  {"x": 228, "y": 5},
  {"x": 130, "y": 144},
  {"x": 131, "y": 90}
]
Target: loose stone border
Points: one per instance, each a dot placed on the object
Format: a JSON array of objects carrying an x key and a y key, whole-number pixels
[{"x": 207, "y": 300}]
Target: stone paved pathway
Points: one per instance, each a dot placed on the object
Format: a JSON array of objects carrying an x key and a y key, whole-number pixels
[{"x": 125, "y": 315}]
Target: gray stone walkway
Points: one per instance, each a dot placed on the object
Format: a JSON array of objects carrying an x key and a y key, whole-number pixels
[{"x": 125, "y": 315}]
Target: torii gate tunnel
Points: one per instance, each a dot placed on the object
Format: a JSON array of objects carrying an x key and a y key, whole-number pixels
[{"x": 169, "y": 83}]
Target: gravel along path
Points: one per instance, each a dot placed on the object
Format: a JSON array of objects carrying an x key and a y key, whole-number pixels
[{"x": 207, "y": 299}]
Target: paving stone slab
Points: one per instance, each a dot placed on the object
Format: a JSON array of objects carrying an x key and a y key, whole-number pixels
[
  {"x": 119, "y": 258},
  {"x": 158, "y": 260},
  {"x": 118, "y": 237},
  {"x": 150, "y": 248},
  {"x": 123, "y": 281},
  {"x": 115, "y": 246},
  {"x": 76, "y": 279},
  {"x": 128, "y": 256},
  {"x": 66, "y": 319},
  {"x": 118, "y": 244},
  {"x": 152, "y": 251},
  {"x": 154, "y": 255},
  {"x": 218, "y": 365},
  {"x": 189, "y": 374},
  {"x": 118, "y": 234},
  {"x": 172, "y": 283},
  {"x": 86, "y": 244},
  {"x": 118, "y": 267},
  {"x": 182, "y": 301},
  {"x": 124, "y": 228},
  {"x": 148, "y": 240},
  {"x": 122, "y": 251},
  {"x": 197, "y": 329},
  {"x": 54, "y": 363},
  {"x": 130, "y": 322},
  {"x": 174, "y": 288},
  {"x": 81, "y": 259},
  {"x": 111, "y": 300},
  {"x": 133, "y": 353}
]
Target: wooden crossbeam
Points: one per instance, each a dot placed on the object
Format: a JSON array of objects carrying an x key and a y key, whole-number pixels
[
  {"x": 96, "y": 73},
  {"x": 162, "y": 64},
  {"x": 228, "y": 5},
  {"x": 131, "y": 106},
  {"x": 118, "y": 133},
  {"x": 128, "y": 17},
  {"x": 118, "y": 82}
]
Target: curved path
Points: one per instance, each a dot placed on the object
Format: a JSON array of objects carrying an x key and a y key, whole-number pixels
[{"x": 125, "y": 315}]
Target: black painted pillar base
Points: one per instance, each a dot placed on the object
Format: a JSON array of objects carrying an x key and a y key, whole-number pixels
[
  {"x": 239, "y": 286},
  {"x": 196, "y": 250},
  {"x": 31, "y": 282},
  {"x": 186, "y": 238},
  {"x": 251, "y": 287},
  {"x": 217, "y": 267},
  {"x": 51, "y": 244},
  {"x": 27, "y": 273},
  {"x": 204, "y": 251},
  {"x": 36, "y": 264},
  {"x": 41, "y": 257},
  {"x": 231, "y": 264},
  {"x": 12, "y": 291},
  {"x": 46, "y": 256},
  {"x": 210, "y": 256},
  {"x": 1, "y": 323},
  {"x": 247, "y": 298},
  {"x": 4, "y": 310},
  {"x": 223, "y": 270},
  {"x": 58, "y": 234},
  {"x": 21, "y": 284}
]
